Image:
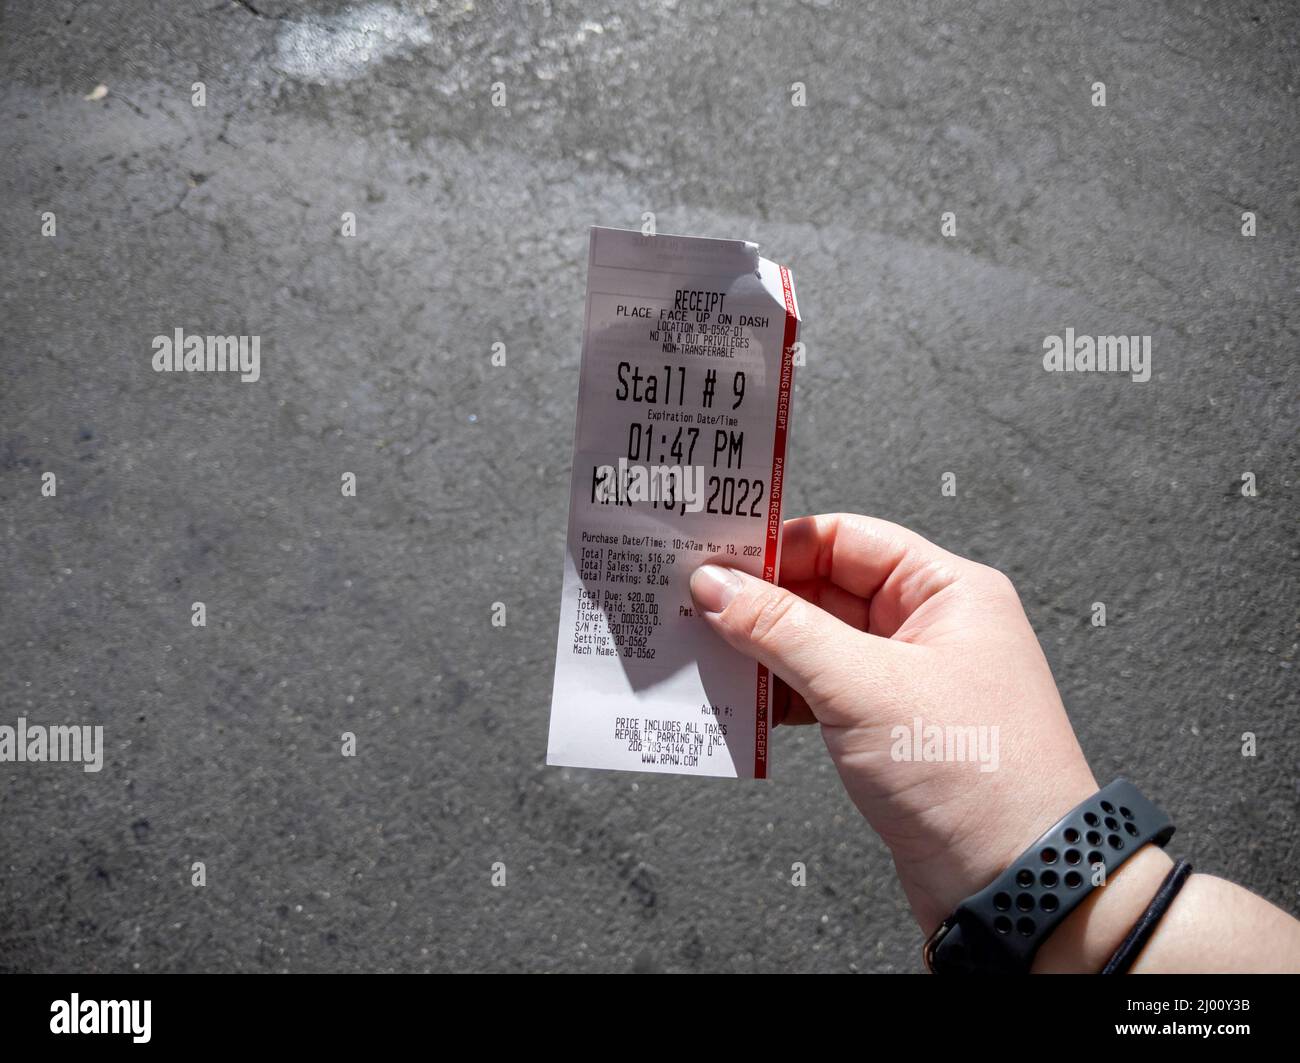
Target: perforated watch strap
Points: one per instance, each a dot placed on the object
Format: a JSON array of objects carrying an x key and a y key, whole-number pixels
[{"x": 999, "y": 929}]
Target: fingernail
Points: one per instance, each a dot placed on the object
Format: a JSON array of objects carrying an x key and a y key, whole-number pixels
[{"x": 713, "y": 587}]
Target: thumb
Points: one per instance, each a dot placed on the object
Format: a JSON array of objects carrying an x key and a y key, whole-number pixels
[{"x": 816, "y": 653}]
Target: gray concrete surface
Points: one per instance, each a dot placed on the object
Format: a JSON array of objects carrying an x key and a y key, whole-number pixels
[{"x": 371, "y": 614}]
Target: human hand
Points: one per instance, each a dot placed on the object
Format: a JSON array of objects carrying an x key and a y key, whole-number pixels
[{"x": 874, "y": 627}]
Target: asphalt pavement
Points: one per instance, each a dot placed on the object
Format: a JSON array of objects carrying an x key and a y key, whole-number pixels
[{"x": 372, "y": 614}]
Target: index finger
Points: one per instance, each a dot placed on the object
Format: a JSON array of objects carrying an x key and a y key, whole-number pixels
[{"x": 867, "y": 557}]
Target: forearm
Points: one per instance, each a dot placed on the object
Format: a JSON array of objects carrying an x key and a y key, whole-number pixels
[
  {"x": 1212, "y": 926},
  {"x": 1215, "y": 925}
]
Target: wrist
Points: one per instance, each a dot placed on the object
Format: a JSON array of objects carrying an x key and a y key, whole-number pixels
[{"x": 1082, "y": 886}]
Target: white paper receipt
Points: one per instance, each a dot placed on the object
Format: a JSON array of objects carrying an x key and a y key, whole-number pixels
[{"x": 678, "y": 458}]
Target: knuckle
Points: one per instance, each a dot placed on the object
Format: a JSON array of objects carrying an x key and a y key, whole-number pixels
[
  {"x": 769, "y": 616},
  {"x": 997, "y": 582}
]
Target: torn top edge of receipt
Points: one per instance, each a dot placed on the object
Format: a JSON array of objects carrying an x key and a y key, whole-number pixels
[{"x": 679, "y": 458}]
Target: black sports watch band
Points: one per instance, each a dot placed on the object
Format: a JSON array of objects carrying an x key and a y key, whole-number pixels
[{"x": 999, "y": 929}]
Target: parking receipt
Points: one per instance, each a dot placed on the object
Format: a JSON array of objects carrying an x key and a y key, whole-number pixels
[{"x": 688, "y": 355}]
